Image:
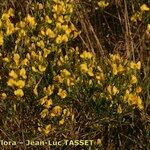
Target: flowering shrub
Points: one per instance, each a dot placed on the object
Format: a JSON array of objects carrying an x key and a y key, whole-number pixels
[
  {"x": 44, "y": 31},
  {"x": 39, "y": 64}
]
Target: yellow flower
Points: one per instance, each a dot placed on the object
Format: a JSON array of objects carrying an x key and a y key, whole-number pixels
[
  {"x": 22, "y": 24},
  {"x": 47, "y": 19},
  {"x": 25, "y": 62},
  {"x": 133, "y": 79},
  {"x": 102, "y": 4},
  {"x": 42, "y": 32},
  {"x": 68, "y": 31},
  {"x": 11, "y": 12},
  {"x": 41, "y": 68},
  {"x": 59, "y": 39},
  {"x": 109, "y": 89},
  {"x": 20, "y": 83},
  {"x": 46, "y": 52},
  {"x": 41, "y": 44},
  {"x": 114, "y": 69},
  {"x": 58, "y": 26},
  {"x": 120, "y": 68},
  {"x": 23, "y": 73},
  {"x": 48, "y": 103},
  {"x": 1, "y": 39},
  {"x": 138, "y": 65},
  {"x": 58, "y": 79},
  {"x": 34, "y": 69},
  {"x": 138, "y": 89},
  {"x": 30, "y": 20},
  {"x": 28, "y": 56},
  {"x": 10, "y": 29},
  {"x": 86, "y": 55},
  {"x": 144, "y": 8},
  {"x": 13, "y": 74},
  {"x": 148, "y": 27},
  {"x": 132, "y": 65},
  {"x": 115, "y": 57},
  {"x": 34, "y": 55},
  {"x": 22, "y": 33},
  {"x": 11, "y": 82},
  {"x": 4, "y": 96},
  {"x": 61, "y": 122},
  {"x": 43, "y": 100},
  {"x": 65, "y": 38},
  {"x": 84, "y": 68},
  {"x": 35, "y": 90},
  {"x": 90, "y": 72},
  {"x": 48, "y": 129},
  {"x": 5, "y": 16},
  {"x": 139, "y": 103},
  {"x": 16, "y": 58},
  {"x": 99, "y": 142},
  {"x": 55, "y": 8},
  {"x": 6, "y": 59},
  {"x": 44, "y": 113},
  {"x": 19, "y": 92},
  {"x": 49, "y": 90},
  {"x": 40, "y": 57},
  {"x": 135, "y": 65},
  {"x": 90, "y": 82},
  {"x": 50, "y": 33},
  {"x": 100, "y": 76},
  {"x": 119, "y": 109},
  {"x": 66, "y": 112},
  {"x": 65, "y": 73},
  {"x": 112, "y": 90},
  {"x": 70, "y": 81},
  {"x": 56, "y": 111},
  {"x": 62, "y": 93},
  {"x": 60, "y": 19},
  {"x": 115, "y": 90},
  {"x": 126, "y": 96},
  {"x": 39, "y": 129}
]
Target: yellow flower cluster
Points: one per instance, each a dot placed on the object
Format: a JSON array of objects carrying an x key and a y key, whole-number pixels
[
  {"x": 122, "y": 78},
  {"x": 144, "y": 8},
  {"x": 6, "y": 20},
  {"x": 135, "y": 66},
  {"x": 47, "y": 103},
  {"x": 66, "y": 78},
  {"x": 17, "y": 77},
  {"x": 133, "y": 99},
  {"x": 61, "y": 13},
  {"x": 6, "y": 24},
  {"x": 55, "y": 111},
  {"x": 88, "y": 63},
  {"x": 112, "y": 90},
  {"x": 30, "y": 20},
  {"x": 103, "y": 4},
  {"x": 116, "y": 63},
  {"x": 137, "y": 16},
  {"x": 86, "y": 55}
]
